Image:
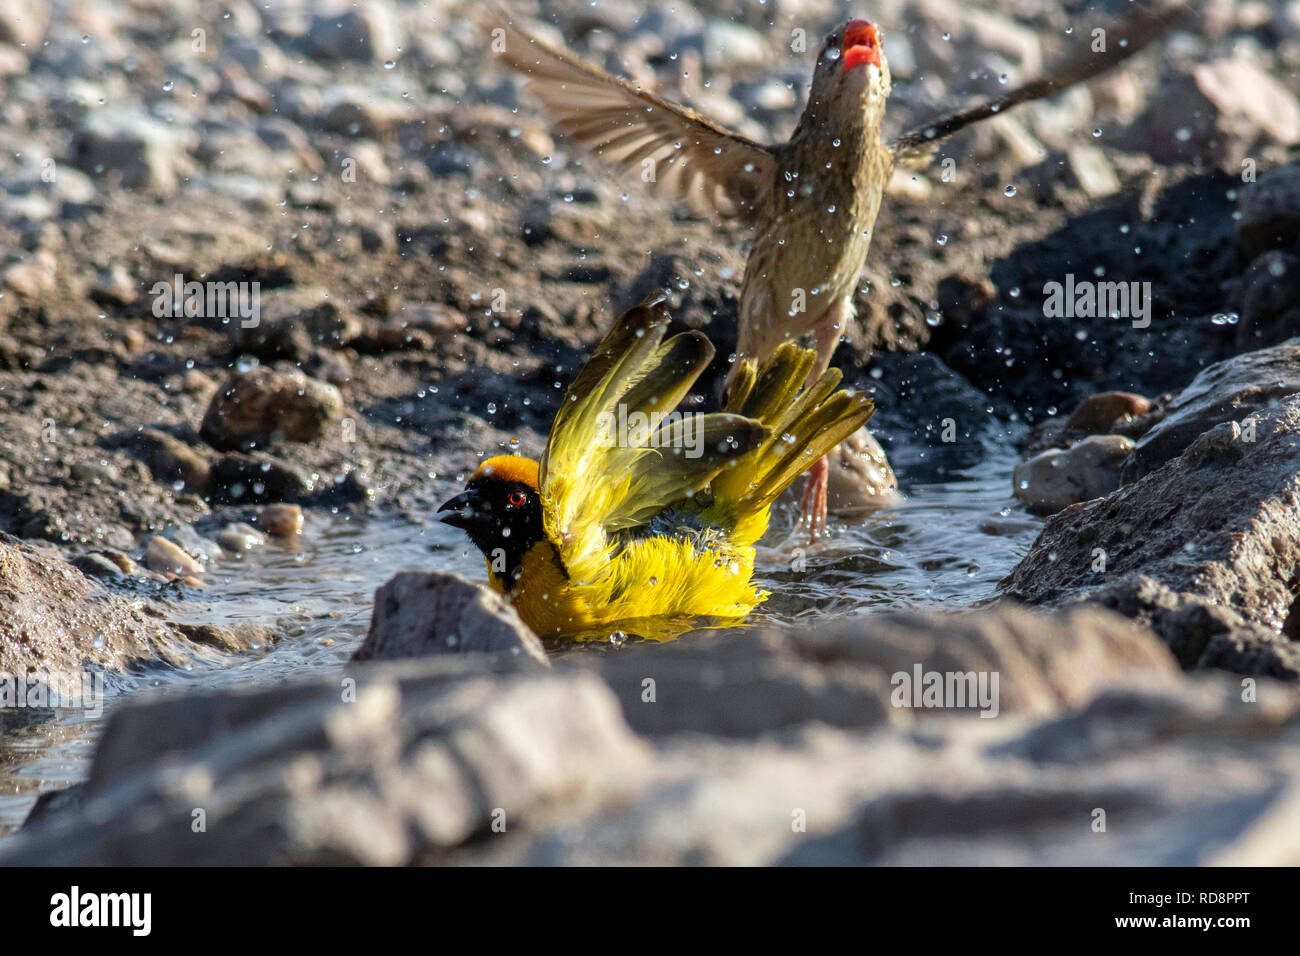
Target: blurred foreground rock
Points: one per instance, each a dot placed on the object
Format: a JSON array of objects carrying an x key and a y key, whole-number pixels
[{"x": 732, "y": 747}]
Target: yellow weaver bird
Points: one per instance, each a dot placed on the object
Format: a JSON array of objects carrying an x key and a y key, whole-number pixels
[{"x": 638, "y": 511}]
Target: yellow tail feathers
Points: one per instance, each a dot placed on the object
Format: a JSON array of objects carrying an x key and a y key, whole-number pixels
[{"x": 802, "y": 426}]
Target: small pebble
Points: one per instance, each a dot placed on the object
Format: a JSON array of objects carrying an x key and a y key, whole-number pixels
[
  {"x": 281, "y": 521},
  {"x": 1058, "y": 478},
  {"x": 166, "y": 558},
  {"x": 240, "y": 537},
  {"x": 1098, "y": 414}
]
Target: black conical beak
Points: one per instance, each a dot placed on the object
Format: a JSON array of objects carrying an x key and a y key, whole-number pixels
[{"x": 465, "y": 510}]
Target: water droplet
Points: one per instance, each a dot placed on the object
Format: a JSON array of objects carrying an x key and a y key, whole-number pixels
[{"x": 1009, "y": 191}]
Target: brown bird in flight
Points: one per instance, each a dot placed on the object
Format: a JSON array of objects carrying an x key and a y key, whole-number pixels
[{"x": 813, "y": 201}]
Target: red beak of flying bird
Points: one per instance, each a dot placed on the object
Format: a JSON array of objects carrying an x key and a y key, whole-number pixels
[{"x": 861, "y": 45}]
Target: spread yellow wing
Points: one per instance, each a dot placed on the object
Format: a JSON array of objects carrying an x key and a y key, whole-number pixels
[{"x": 616, "y": 457}]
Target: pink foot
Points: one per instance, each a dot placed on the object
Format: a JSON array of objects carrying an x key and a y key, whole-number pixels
[{"x": 812, "y": 504}]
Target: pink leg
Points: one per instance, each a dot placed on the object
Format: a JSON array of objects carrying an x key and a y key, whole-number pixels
[{"x": 812, "y": 504}]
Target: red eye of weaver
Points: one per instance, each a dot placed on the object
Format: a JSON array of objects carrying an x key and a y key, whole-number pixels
[{"x": 516, "y": 498}]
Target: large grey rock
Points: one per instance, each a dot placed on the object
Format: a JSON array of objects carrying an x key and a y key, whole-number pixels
[
  {"x": 1201, "y": 632},
  {"x": 419, "y": 613},
  {"x": 1227, "y": 391},
  {"x": 1111, "y": 768},
  {"x": 1219, "y": 526}
]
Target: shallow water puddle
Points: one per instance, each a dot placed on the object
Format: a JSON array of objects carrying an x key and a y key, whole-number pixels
[{"x": 931, "y": 551}]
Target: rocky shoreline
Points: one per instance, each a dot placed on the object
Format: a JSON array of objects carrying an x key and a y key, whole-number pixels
[{"x": 431, "y": 267}]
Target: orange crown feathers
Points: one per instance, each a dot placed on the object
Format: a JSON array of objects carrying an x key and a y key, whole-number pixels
[{"x": 509, "y": 468}]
